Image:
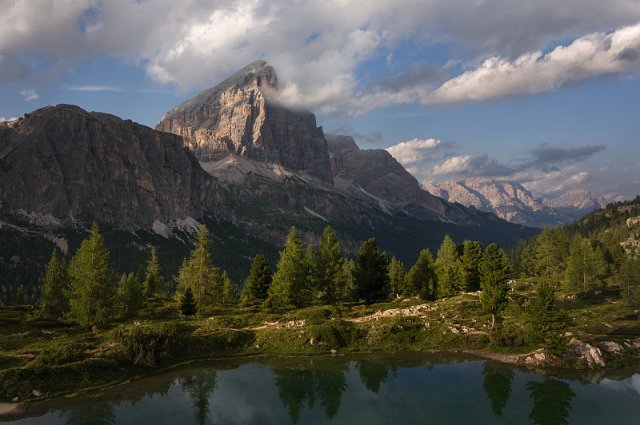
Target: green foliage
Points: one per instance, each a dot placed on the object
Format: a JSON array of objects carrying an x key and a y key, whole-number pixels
[
  {"x": 228, "y": 292},
  {"x": 333, "y": 333},
  {"x": 370, "y": 274},
  {"x": 494, "y": 274},
  {"x": 398, "y": 278},
  {"x": 629, "y": 277},
  {"x": 91, "y": 291},
  {"x": 188, "y": 306},
  {"x": 584, "y": 265},
  {"x": 289, "y": 288},
  {"x": 199, "y": 274},
  {"x": 147, "y": 344},
  {"x": 53, "y": 301},
  {"x": 130, "y": 295},
  {"x": 422, "y": 279},
  {"x": 547, "y": 322},
  {"x": 508, "y": 336},
  {"x": 61, "y": 354},
  {"x": 448, "y": 268},
  {"x": 328, "y": 260},
  {"x": 471, "y": 259},
  {"x": 256, "y": 286},
  {"x": 153, "y": 281}
]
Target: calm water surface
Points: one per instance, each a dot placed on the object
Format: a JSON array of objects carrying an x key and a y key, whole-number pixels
[{"x": 414, "y": 389}]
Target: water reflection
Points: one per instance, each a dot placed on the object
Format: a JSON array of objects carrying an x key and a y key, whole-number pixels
[
  {"x": 496, "y": 381},
  {"x": 370, "y": 389},
  {"x": 551, "y": 401}
]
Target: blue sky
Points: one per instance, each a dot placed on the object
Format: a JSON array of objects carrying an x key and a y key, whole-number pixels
[{"x": 539, "y": 92}]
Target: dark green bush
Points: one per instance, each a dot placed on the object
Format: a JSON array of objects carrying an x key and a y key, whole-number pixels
[
  {"x": 508, "y": 336},
  {"x": 148, "y": 344},
  {"x": 61, "y": 354},
  {"x": 313, "y": 315},
  {"x": 333, "y": 333}
]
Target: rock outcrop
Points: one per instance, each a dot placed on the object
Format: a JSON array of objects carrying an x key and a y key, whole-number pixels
[
  {"x": 240, "y": 116},
  {"x": 576, "y": 203},
  {"x": 62, "y": 165}
]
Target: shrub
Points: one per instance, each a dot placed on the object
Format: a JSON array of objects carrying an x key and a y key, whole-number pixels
[
  {"x": 508, "y": 336},
  {"x": 334, "y": 333},
  {"x": 61, "y": 354},
  {"x": 148, "y": 344}
]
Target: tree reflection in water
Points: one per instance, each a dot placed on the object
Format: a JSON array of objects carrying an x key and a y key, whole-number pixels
[
  {"x": 497, "y": 381},
  {"x": 200, "y": 386},
  {"x": 551, "y": 401},
  {"x": 372, "y": 374}
]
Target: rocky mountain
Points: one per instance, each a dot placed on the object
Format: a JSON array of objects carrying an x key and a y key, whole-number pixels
[
  {"x": 514, "y": 203},
  {"x": 233, "y": 159},
  {"x": 577, "y": 203},
  {"x": 508, "y": 200},
  {"x": 239, "y": 116}
]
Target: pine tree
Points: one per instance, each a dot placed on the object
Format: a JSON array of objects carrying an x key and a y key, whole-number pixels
[
  {"x": 630, "y": 275},
  {"x": 53, "y": 301},
  {"x": 199, "y": 274},
  {"x": 546, "y": 320},
  {"x": 91, "y": 290},
  {"x": 228, "y": 293},
  {"x": 397, "y": 278},
  {"x": 583, "y": 265},
  {"x": 188, "y": 305},
  {"x": 153, "y": 281},
  {"x": 256, "y": 286},
  {"x": 130, "y": 295},
  {"x": 550, "y": 253},
  {"x": 495, "y": 271},
  {"x": 289, "y": 287},
  {"x": 371, "y": 273},
  {"x": 448, "y": 268},
  {"x": 422, "y": 279},
  {"x": 471, "y": 259},
  {"x": 348, "y": 292},
  {"x": 329, "y": 261}
]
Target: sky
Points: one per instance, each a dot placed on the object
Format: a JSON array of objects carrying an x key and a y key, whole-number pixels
[{"x": 539, "y": 92}]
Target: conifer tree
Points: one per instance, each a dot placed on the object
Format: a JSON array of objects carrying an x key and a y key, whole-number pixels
[
  {"x": 329, "y": 261},
  {"x": 398, "y": 278},
  {"x": 448, "y": 268},
  {"x": 53, "y": 301},
  {"x": 471, "y": 259},
  {"x": 583, "y": 265},
  {"x": 228, "y": 294},
  {"x": 199, "y": 274},
  {"x": 495, "y": 271},
  {"x": 629, "y": 276},
  {"x": 188, "y": 305},
  {"x": 256, "y": 286},
  {"x": 422, "y": 279},
  {"x": 130, "y": 294},
  {"x": 371, "y": 273},
  {"x": 550, "y": 251},
  {"x": 91, "y": 290},
  {"x": 153, "y": 281},
  {"x": 546, "y": 319},
  {"x": 289, "y": 287},
  {"x": 348, "y": 292}
]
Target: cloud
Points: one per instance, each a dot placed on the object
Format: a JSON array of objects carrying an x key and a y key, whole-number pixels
[
  {"x": 415, "y": 150},
  {"x": 196, "y": 43},
  {"x": 589, "y": 56},
  {"x": 546, "y": 156},
  {"x": 3, "y": 119},
  {"x": 96, "y": 88},
  {"x": 455, "y": 165},
  {"x": 29, "y": 95}
]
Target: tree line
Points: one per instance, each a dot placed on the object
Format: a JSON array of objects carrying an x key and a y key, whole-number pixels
[{"x": 86, "y": 289}]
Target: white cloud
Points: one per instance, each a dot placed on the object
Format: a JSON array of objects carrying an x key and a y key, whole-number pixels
[
  {"x": 454, "y": 165},
  {"x": 95, "y": 88},
  {"x": 29, "y": 95},
  {"x": 318, "y": 46},
  {"x": 3, "y": 119},
  {"x": 588, "y": 56},
  {"x": 414, "y": 150}
]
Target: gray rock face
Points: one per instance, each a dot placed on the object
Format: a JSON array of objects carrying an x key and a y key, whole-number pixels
[
  {"x": 576, "y": 203},
  {"x": 68, "y": 165},
  {"x": 240, "y": 117},
  {"x": 508, "y": 200},
  {"x": 375, "y": 174}
]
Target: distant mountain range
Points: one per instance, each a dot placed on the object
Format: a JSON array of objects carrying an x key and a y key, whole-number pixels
[
  {"x": 232, "y": 158},
  {"x": 513, "y": 202}
]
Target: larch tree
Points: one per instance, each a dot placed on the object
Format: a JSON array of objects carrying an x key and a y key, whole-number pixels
[
  {"x": 188, "y": 306},
  {"x": 256, "y": 286},
  {"x": 199, "y": 274},
  {"x": 91, "y": 290},
  {"x": 153, "y": 281},
  {"x": 329, "y": 261},
  {"x": 398, "y": 278},
  {"x": 289, "y": 287},
  {"x": 495, "y": 271},
  {"x": 448, "y": 268},
  {"x": 228, "y": 293},
  {"x": 130, "y": 295},
  {"x": 471, "y": 259},
  {"x": 53, "y": 301},
  {"x": 422, "y": 279},
  {"x": 583, "y": 265},
  {"x": 371, "y": 273}
]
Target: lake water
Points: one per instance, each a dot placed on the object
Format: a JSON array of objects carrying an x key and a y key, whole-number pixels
[{"x": 364, "y": 390}]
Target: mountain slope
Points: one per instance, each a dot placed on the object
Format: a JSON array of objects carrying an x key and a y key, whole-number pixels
[{"x": 577, "y": 203}]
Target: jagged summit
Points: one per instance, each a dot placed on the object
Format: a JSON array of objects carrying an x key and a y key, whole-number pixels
[{"x": 236, "y": 117}]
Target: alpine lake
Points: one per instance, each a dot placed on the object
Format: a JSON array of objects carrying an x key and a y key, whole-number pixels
[{"x": 413, "y": 388}]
